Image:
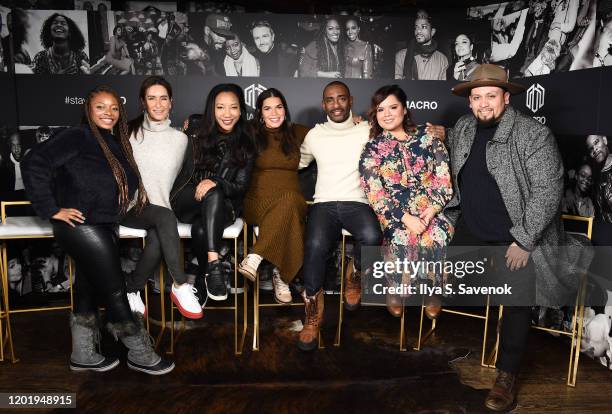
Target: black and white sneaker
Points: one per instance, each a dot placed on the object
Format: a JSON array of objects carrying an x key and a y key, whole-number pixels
[
  {"x": 216, "y": 285},
  {"x": 105, "y": 365}
]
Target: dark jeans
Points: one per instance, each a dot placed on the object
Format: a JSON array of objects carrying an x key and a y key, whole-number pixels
[
  {"x": 516, "y": 320},
  {"x": 95, "y": 250},
  {"x": 162, "y": 237},
  {"x": 208, "y": 217},
  {"x": 323, "y": 228}
]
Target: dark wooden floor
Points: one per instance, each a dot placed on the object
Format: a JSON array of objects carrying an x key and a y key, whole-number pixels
[{"x": 366, "y": 374}]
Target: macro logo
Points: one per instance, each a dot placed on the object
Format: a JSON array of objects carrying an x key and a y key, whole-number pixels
[
  {"x": 535, "y": 97},
  {"x": 252, "y": 92}
]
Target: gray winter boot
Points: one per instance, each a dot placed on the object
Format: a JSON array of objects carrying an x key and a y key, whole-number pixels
[
  {"x": 141, "y": 355},
  {"x": 85, "y": 342}
]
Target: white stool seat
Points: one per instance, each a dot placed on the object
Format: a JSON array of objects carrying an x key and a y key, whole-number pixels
[
  {"x": 230, "y": 232},
  {"x": 345, "y": 232},
  {"x": 128, "y": 232},
  {"x": 29, "y": 226}
]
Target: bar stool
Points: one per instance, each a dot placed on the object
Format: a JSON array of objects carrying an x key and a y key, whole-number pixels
[
  {"x": 402, "y": 345},
  {"x": 578, "y": 317},
  {"x": 257, "y": 305},
  {"x": 231, "y": 232},
  {"x": 32, "y": 227}
]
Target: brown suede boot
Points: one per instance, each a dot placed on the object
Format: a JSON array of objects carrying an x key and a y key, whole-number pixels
[
  {"x": 309, "y": 337},
  {"x": 352, "y": 287},
  {"x": 503, "y": 394}
]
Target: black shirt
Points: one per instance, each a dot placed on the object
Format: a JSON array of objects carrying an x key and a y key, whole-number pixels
[
  {"x": 71, "y": 171},
  {"x": 482, "y": 206}
]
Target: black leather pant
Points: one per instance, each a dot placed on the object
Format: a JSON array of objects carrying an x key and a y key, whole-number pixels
[
  {"x": 162, "y": 236},
  {"x": 208, "y": 217},
  {"x": 95, "y": 250}
]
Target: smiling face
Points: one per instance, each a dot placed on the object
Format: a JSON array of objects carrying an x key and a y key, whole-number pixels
[
  {"x": 233, "y": 48},
  {"x": 390, "y": 115},
  {"x": 59, "y": 28},
  {"x": 584, "y": 178},
  {"x": 488, "y": 103},
  {"x": 227, "y": 111},
  {"x": 352, "y": 30},
  {"x": 423, "y": 32},
  {"x": 263, "y": 37},
  {"x": 332, "y": 30},
  {"x": 273, "y": 112},
  {"x": 337, "y": 102},
  {"x": 157, "y": 103},
  {"x": 104, "y": 110},
  {"x": 463, "y": 46},
  {"x": 597, "y": 147}
]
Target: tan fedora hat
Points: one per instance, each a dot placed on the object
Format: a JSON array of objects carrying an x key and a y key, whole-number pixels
[{"x": 487, "y": 75}]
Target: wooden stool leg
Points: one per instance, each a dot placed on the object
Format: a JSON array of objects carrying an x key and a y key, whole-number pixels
[
  {"x": 341, "y": 299},
  {"x": 6, "y": 336}
]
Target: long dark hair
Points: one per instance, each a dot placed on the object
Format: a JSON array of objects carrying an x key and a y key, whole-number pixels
[
  {"x": 76, "y": 41},
  {"x": 124, "y": 140},
  {"x": 206, "y": 148},
  {"x": 135, "y": 125},
  {"x": 323, "y": 58},
  {"x": 380, "y": 95},
  {"x": 288, "y": 143}
]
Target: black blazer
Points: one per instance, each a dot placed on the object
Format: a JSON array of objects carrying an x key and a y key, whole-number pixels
[{"x": 232, "y": 179}]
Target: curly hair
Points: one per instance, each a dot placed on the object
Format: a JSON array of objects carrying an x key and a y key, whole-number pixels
[{"x": 76, "y": 41}]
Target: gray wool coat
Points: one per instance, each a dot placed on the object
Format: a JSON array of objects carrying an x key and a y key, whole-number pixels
[{"x": 525, "y": 162}]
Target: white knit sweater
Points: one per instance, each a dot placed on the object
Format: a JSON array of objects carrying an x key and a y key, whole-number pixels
[
  {"x": 158, "y": 150},
  {"x": 336, "y": 147}
]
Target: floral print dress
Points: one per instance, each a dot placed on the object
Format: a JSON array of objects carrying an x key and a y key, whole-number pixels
[{"x": 408, "y": 177}]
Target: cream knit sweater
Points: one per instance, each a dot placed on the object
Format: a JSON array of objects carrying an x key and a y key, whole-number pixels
[
  {"x": 336, "y": 147},
  {"x": 158, "y": 150}
]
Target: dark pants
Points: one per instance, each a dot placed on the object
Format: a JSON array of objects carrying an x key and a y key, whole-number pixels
[
  {"x": 208, "y": 217},
  {"x": 95, "y": 250},
  {"x": 516, "y": 320},
  {"x": 162, "y": 236},
  {"x": 323, "y": 228}
]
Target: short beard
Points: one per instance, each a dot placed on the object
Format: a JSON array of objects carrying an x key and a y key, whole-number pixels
[{"x": 487, "y": 123}]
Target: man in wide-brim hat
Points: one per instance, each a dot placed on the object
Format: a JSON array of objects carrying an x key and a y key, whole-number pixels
[{"x": 508, "y": 185}]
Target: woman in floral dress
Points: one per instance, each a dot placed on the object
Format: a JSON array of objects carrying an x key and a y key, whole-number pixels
[{"x": 406, "y": 178}]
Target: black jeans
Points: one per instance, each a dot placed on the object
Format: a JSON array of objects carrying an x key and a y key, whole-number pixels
[
  {"x": 208, "y": 219},
  {"x": 162, "y": 237},
  {"x": 516, "y": 320},
  {"x": 95, "y": 250},
  {"x": 323, "y": 228}
]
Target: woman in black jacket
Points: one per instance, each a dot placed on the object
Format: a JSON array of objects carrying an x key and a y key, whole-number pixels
[
  {"x": 84, "y": 180},
  {"x": 216, "y": 171}
]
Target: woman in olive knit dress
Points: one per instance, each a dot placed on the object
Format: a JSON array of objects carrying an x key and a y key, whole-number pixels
[{"x": 274, "y": 200}]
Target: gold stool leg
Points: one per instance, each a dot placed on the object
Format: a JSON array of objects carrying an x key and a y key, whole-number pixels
[
  {"x": 578, "y": 320},
  {"x": 402, "y": 346},
  {"x": 484, "y": 335},
  {"x": 162, "y": 300},
  {"x": 341, "y": 300},
  {"x": 238, "y": 345},
  {"x": 8, "y": 338},
  {"x": 492, "y": 358}
]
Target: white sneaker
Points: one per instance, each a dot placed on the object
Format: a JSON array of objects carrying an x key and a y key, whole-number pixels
[
  {"x": 186, "y": 301},
  {"x": 282, "y": 293},
  {"x": 248, "y": 266},
  {"x": 136, "y": 303}
]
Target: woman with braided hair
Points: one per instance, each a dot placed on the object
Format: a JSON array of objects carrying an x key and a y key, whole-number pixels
[{"x": 84, "y": 180}]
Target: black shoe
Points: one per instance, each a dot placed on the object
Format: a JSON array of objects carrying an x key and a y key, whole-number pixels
[
  {"x": 200, "y": 285},
  {"x": 162, "y": 367},
  {"x": 216, "y": 285},
  {"x": 105, "y": 365}
]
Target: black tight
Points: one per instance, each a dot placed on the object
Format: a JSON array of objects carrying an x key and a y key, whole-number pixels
[
  {"x": 95, "y": 251},
  {"x": 209, "y": 218}
]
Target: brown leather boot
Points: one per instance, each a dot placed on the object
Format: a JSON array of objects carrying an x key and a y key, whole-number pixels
[
  {"x": 433, "y": 307},
  {"x": 309, "y": 337},
  {"x": 503, "y": 394},
  {"x": 352, "y": 287},
  {"x": 394, "y": 305}
]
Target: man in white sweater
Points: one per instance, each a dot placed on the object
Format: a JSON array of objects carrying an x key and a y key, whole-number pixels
[{"x": 339, "y": 202}]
